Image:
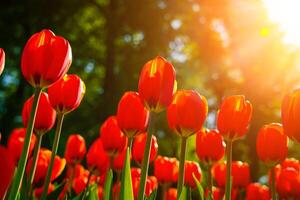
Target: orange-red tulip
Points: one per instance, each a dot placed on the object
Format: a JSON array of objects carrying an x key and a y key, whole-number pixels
[
  {"x": 240, "y": 174},
  {"x": 75, "y": 149},
  {"x": 187, "y": 112},
  {"x": 151, "y": 183},
  {"x": 16, "y": 141},
  {"x": 2, "y": 60},
  {"x": 97, "y": 159},
  {"x": 113, "y": 139},
  {"x": 171, "y": 194},
  {"x": 43, "y": 162},
  {"x": 7, "y": 168},
  {"x": 38, "y": 191},
  {"x": 256, "y": 191},
  {"x": 290, "y": 114},
  {"x": 46, "y": 58},
  {"x": 132, "y": 115},
  {"x": 66, "y": 94},
  {"x": 218, "y": 193},
  {"x": 118, "y": 163},
  {"x": 45, "y": 115},
  {"x": 138, "y": 148},
  {"x": 166, "y": 169},
  {"x": 157, "y": 84},
  {"x": 205, "y": 140},
  {"x": 272, "y": 144},
  {"x": 191, "y": 168},
  {"x": 234, "y": 117},
  {"x": 288, "y": 183}
]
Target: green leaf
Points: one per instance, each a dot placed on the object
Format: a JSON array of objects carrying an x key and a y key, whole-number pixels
[
  {"x": 126, "y": 183},
  {"x": 199, "y": 187},
  {"x": 184, "y": 193},
  {"x": 93, "y": 192},
  {"x": 55, "y": 194},
  {"x": 152, "y": 195},
  {"x": 107, "y": 185},
  {"x": 79, "y": 197}
]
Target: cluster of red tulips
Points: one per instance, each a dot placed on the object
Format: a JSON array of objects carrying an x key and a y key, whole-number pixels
[{"x": 28, "y": 171}]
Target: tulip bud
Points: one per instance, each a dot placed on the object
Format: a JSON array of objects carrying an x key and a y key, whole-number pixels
[
  {"x": 138, "y": 148},
  {"x": 256, "y": 191},
  {"x": 191, "y": 168},
  {"x": 75, "y": 149},
  {"x": 166, "y": 169},
  {"x": 187, "y": 112},
  {"x": 132, "y": 116},
  {"x": 45, "y": 115},
  {"x": 16, "y": 142},
  {"x": 157, "y": 84},
  {"x": 234, "y": 117},
  {"x": 113, "y": 139},
  {"x": 66, "y": 94},
  {"x": 2, "y": 60},
  {"x": 46, "y": 58}
]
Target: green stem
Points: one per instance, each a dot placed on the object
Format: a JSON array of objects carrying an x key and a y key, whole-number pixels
[
  {"x": 181, "y": 166},
  {"x": 130, "y": 141},
  {"x": 60, "y": 119},
  {"x": 209, "y": 179},
  {"x": 164, "y": 189},
  {"x": 145, "y": 162},
  {"x": 273, "y": 185},
  {"x": 34, "y": 162},
  {"x": 228, "y": 170},
  {"x": 22, "y": 162}
]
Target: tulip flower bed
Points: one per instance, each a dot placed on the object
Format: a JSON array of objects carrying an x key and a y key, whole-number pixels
[{"x": 104, "y": 169}]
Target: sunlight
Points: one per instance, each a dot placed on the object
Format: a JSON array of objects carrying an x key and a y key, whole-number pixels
[{"x": 286, "y": 13}]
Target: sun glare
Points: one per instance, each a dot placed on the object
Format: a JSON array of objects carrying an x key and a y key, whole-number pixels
[{"x": 287, "y": 14}]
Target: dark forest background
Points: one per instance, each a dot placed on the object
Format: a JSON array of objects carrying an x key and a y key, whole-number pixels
[{"x": 218, "y": 48}]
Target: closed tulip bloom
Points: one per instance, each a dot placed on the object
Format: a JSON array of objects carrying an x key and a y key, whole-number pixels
[
  {"x": 272, "y": 144},
  {"x": 218, "y": 193},
  {"x": 192, "y": 168},
  {"x": 2, "y": 60},
  {"x": 45, "y": 115},
  {"x": 43, "y": 162},
  {"x": 75, "y": 149},
  {"x": 288, "y": 183},
  {"x": 132, "y": 116},
  {"x": 205, "y": 140},
  {"x": 66, "y": 94},
  {"x": 16, "y": 141},
  {"x": 150, "y": 186},
  {"x": 97, "y": 159},
  {"x": 157, "y": 84},
  {"x": 118, "y": 163},
  {"x": 219, "y": 174},
  {"x": 240, "y": 174},
  {"x": 171, "y": 194},
  {"x": 113, "y": 139},
  {"x": 291, "y": 162},
  {"x": 38, "y": 191},
  {"x": 290, "y": 114},
  {"x": 166, "y": 169},
  {"x": 234, "y": 117},
  {"x": 187, "y": 112},
  {"x": 256, "y": 191},
  {"x": 138, "y": 148},
  {"x": 46, "y": 58},
  {"x": 7, "y": 168}
]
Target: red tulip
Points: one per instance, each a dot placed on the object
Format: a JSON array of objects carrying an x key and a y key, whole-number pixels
[
  {"x": 240, "y": 174},
  {"x": 97, "y": 159},
  {"x": 2, "y": 60},
  {"x": 38, "y": 191},
  {"x": 46, "y": 58},
  {"x": 66, "y": 94},
  {"x": 132, "y": 116},
  {"x": 45, "y": 115},
  {"x": 118, "y": 163},
  {"x": 171, "y": 194},
  {"x": 234, "y": 117},
  {"x": 7, "y": 168},
  {"x": 157, "y": 84},
  {"x": 187, "y": 112},
  {"x": 191, "y": 168},
  {"x": 166, "y": 169},
  {"x": 290, "y": 114},
  {"x": 218, "y": 193},
  {"x": 151, "y": 185},
  {"x": 16, "y": 141},
  {"x": 291, "y": 162},
  {"x": 256, "y": 191},
  {"x": 113, "y": 139},
  {"x": 272, "y": 144},
  {"x": 205, "y": 140},
  {"x": 100, "y": 192},
  {"x": 43, "y": 162},
  {"x": 288, "y": 183},
  {"x": 75, "y": 149},
  {"x": 138, "y": 148}
]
